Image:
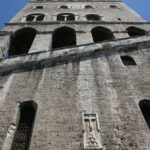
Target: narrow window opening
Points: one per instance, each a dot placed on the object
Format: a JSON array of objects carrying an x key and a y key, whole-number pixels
[
  {"x": 88, "y": 7},
  {"x": 145, "y": 109},
  {"x": 63, "y": 37},
  {"x": 100, "y": 34},
  {"x": 39, "y": 7},
  {"x": 128, "y": 61},
  {"x": 134, "y": 31},
  {"x": 93, "y": 17},
  {"x": 21, "y": 41},
  {"x": 64, "y": 7},
  {"x": 23, "y": 133},
  {"x": 113, "y": 6},
  {"x": 119, "y": 19}
]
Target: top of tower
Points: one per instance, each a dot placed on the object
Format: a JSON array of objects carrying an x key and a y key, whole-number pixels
[{"x": 75, "y": 0}]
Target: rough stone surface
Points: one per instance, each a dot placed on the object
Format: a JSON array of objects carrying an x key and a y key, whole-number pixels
[{"x": 89, "y": 78}]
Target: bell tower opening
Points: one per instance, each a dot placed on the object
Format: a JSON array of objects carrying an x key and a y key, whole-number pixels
[
  {"x": 134, "y": 31},
  {"x": 101, "y": 34},
  {"x": 21, "y": 41},
  {"x": 63, "y": 37}
]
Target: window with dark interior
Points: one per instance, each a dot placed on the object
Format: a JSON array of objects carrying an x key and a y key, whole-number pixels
[
  {"x": 39, "y": 7},
  {"x": 35, "y": 17},
  {"x": 66, "y": 17},
  {"x": 93, "y": 17},
  {"x": 113, "y": 6},
  {"x": 100, "y": 34},
  {"x": 88, "y": 7},
  {"x": 134, "y": 31},
  {"x": 63, "y": 37},
  {"x": 145, "y": 109},
  {"x": 21, "y": 41},
  {"x": 119, "y": 19},
  {"x": 64, "y": 7},
  {"x": 40, "y": 18},
  {"x": 23, "y": 133},
  {"x": 128, "y": 61},
  {"x": 30, "y": 18}
]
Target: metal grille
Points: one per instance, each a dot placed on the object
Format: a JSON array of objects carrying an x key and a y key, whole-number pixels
[
  {"x": 23, "y": 133},
  {"x": 21, "y": 138}
]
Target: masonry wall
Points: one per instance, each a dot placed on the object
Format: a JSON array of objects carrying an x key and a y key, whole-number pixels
[
  {"x": 100, "y": 84},
  {"x": 76, "y": 83}
]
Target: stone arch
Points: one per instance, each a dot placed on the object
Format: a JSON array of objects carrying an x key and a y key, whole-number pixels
[
  {"x": 145, "y": 109},
  {"x": 128, "y": 61},
  {"x": 65, "y": 17},
  {"x": 35, "y": 17},
  {"x": 135, "y": 31},
  {"x": 93, "y": 17},
  {"x": 63, "y": 36},
  {"x": 26, "y": 122},
  {"x": 100, "y": 34},
  {"x": 21, "y": 41}
]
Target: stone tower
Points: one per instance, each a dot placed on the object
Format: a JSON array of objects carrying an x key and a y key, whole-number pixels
[{"x": 75, "y": 76}]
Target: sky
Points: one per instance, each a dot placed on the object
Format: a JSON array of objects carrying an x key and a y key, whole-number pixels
[{"x": 8, "y": 8}]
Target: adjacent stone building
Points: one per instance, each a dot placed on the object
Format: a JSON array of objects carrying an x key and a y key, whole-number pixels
[{"x": 75, "y": 75}]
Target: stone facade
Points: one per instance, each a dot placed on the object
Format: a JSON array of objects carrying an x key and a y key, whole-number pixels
[{"x": 71, "y": 82}]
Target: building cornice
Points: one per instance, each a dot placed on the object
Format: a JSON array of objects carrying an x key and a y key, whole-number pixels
[
  {"x": 72, "y": 22},
  {"x": 51, "y": 1}
]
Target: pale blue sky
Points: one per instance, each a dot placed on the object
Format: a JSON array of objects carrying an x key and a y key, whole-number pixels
[{"x": 8, "y": 8}]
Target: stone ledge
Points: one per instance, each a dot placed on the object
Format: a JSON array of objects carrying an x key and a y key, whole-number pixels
[
  {"x": 50, "y": 58},
  {"x": 73, "y": 22},
  {"x": 55, "y": 1}
]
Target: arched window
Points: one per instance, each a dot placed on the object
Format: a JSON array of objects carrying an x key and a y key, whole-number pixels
[
  {"x": 64, "y": 7},
  {"x": 21, "y": 41},
  {"x": 93, "y": 17},
  {"x": 35, "y": 17},
  {"x": 66, "y": 17},
  {"x": 88, "y": 7},
  {"x": 63, "y": 37},
  {"x": 128, "y": 61},
  {"x": 101, "y": 34},
  {"x": 145, "y": 109},
  {"x": 24, "y": 130},
  {"x": 134, "y": 31}
]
